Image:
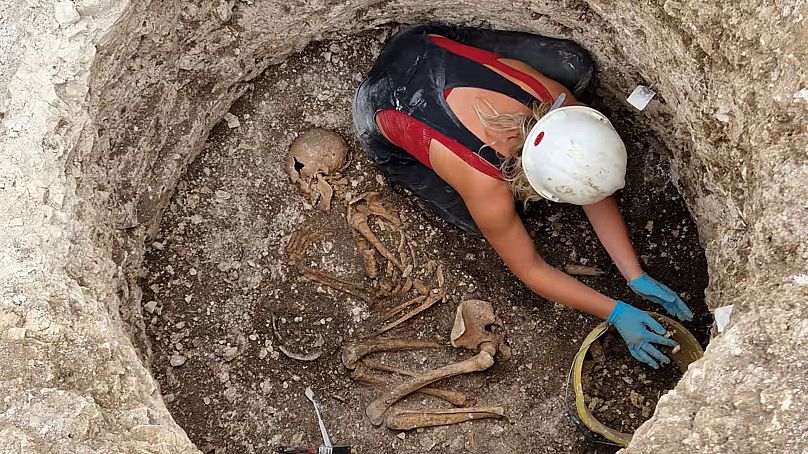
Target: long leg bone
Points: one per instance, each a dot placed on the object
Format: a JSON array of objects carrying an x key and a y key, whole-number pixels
[
  {"x": 473, "y": 317},
  {"x": 413, "y": 419},
  {"x": 479, "y": 362},
  {"x": 408, "y": 373},
  {"x": 365, "y": 375},
  {"x": 352, "y": 353}
]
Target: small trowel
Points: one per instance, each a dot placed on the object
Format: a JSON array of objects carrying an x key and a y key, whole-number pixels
[{"x": 327, "y": 447}]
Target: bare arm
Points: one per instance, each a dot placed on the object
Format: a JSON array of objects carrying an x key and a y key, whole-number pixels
[
  {"x": 490, "y": 203},
  {"x": 613, "y": 235},
  {"x": 496, "y": 216}
]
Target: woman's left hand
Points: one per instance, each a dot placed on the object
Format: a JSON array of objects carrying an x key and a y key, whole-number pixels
[{"x": 659, "y": 293}]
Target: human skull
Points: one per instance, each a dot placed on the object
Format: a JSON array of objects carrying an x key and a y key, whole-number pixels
[{"x": 317, "y": 151}]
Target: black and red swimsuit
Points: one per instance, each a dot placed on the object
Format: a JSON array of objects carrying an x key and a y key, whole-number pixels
[{"x": 406, "y": 92}]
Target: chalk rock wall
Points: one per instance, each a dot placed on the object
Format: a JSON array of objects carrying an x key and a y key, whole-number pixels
[
  {"x": 70, "y": 380},
  {"x": 104, "y": 104}
]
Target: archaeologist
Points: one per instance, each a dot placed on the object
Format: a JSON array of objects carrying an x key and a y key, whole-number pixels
[{"x": 459, "y": 116}]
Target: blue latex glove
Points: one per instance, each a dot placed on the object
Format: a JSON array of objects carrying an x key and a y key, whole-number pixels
[
  {"x": 655, "y": 292},
  {"x": 640, "y": 330}
]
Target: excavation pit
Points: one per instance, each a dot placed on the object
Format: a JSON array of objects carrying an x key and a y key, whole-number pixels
[
  {"x": 105, "y": 107},
  {"x": 219, "y": 273}
]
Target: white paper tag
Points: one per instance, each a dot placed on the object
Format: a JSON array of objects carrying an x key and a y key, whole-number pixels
[
  {"x": 640, "y": 97},
  {"x": 721, "y": 315}
]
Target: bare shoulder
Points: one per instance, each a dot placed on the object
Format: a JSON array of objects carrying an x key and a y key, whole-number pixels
[
  {"x": 465, "y": 179},
  {"x": 552, "y": 86}
]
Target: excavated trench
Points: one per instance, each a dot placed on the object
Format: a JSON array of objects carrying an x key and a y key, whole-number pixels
[
  {"x": 156, "y": 199},
  {"x": 218, "y": 275}
]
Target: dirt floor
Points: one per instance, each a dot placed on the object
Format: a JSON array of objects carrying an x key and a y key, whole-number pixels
[{"x": 218, "y": 273}]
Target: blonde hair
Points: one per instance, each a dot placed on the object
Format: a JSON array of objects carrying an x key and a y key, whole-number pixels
[{"x": 519, "y": 124}]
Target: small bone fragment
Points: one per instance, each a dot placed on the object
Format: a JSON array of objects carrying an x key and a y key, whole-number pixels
[
  {"x": 403, "y": 250},
  {"x": 582, "y": 270},
  {"x": 430, "y": 301},
  {"x": 299, "y": 356},
  {"x": 336, "y": 283},
  {"x": 361, "y": 197},
  {"x": 385, "y": 288},
  {"x": 479, "y": 362},
  {"x": 420, "y": 286},
  {"x": 402, "y": 288},
  {"x": 407, "y": 271},
  {"x": 430, "y": 266},
  {"x": 351, "y": 353},
  {"x": 365, "y": 375},
  {"x": 413, "y": 419},
  {"x": 368, "y": 255},
  {"x": 412, "y": 253},
  {"x": 439, "y": 275}
]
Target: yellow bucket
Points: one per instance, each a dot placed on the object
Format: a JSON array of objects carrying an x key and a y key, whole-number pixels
[{"x": 689, "y": 351}]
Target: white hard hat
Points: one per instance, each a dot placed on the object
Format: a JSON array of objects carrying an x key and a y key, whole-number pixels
[{"x": 574, "y": 155}]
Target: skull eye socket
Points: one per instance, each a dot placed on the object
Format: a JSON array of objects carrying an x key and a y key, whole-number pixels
[{"x": 298, "y": 165}]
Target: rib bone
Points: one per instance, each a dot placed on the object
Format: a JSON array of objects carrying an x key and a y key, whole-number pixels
[
  {"x": 582, "y": 270},
  {"x": 479, "y": 362},
  {"x": 413, "y": 419},
  {"x": 336, "y": 283},
  {"x": 429, "y": 302},
  {"x": 352, "y": 353}
]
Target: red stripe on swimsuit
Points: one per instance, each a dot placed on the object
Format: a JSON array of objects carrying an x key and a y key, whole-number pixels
[
  {"x": 491, "y": 59},
  {"x": 415, "y": 137}
]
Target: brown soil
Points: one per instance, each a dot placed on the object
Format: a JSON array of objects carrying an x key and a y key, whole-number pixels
[
  {"x": 619, "y": 391},
  {"x": 217, "y": 273}
]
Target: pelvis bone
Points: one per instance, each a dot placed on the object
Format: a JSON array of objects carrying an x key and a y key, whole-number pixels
[{"x": 475, "y": 323}]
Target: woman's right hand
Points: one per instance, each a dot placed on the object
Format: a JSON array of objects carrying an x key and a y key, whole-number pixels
[{"x": 640, "y": 331}]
